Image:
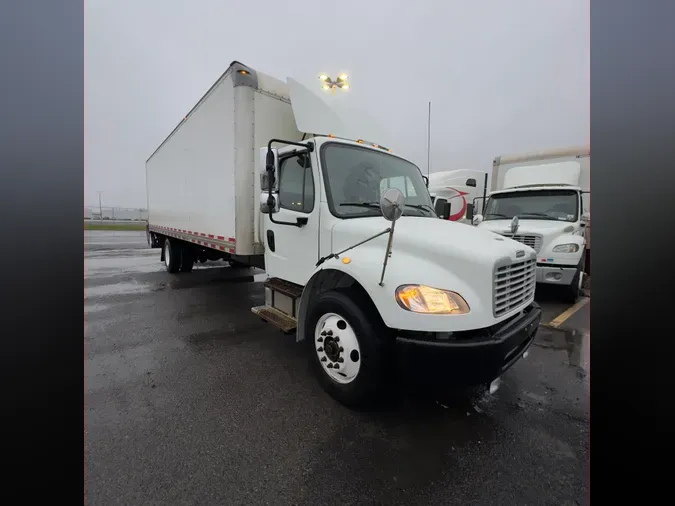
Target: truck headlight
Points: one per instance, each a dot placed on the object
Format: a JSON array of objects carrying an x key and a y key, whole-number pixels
[
  {"x": 424, "y": 299},
  {"x": 566, "y": 248}
]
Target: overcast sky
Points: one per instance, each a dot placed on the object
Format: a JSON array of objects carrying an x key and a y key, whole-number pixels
[{"x": 503, "y": 76}]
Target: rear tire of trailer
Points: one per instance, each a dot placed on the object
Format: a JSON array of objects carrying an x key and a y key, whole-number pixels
[
  {"x": 172, "y": 256},
  {"x": 363, "y": 353},
  {"x": 187, "y": 258}
]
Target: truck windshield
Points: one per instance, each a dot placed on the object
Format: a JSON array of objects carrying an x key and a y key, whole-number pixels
[
  {"x": 356, "y": 177},
  {"x": 559, "y": 205}
]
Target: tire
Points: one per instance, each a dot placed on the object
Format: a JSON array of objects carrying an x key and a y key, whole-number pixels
[
  {"x": 172, "y": 256},
  {"x": 237, "y": 265},
  {"x": 363, "y": 355},
  {"x": 572, "y": 292},
  {"x": 187, "y": 259}
]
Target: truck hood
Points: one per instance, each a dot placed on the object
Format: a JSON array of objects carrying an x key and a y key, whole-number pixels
[
  {"x": 431, "y": 252},
  {"x": 432, "y": 239},
  {"x": 543, "y": 227}
]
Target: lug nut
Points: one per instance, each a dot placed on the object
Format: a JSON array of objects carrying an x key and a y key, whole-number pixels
[
  {"x": 336, "y": 339},
  {"x": 341, "y": 349},
  {"x": 336, "y": 366},
  {"x": 320, "y": 340},
  {"x": 323, "y": 333},
  {"x": 329, "y": 332},
  {"x": 330, "y": 366},
  {"x": 320, "y": 348},
  {"x": 340, "y": 359},
  {"x": 323, "y": 359}
]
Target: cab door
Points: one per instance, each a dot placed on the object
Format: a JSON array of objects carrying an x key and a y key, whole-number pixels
[{"x": 291, "y": 252}]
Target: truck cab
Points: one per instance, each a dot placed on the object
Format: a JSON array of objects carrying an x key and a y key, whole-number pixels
[
  {"x": 543, "y": 206},
  {"x": 453, "y": 191},
  {"x": 445, "y": 302}
]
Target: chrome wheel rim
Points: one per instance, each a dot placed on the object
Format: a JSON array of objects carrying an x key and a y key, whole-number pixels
[{"x": 337, "y": 348}]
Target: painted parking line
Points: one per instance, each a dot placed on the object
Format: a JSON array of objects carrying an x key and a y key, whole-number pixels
[{"x": 565, "y": 315}]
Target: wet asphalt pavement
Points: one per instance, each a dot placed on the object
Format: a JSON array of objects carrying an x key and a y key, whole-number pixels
[{"x": 191, "y": 399}]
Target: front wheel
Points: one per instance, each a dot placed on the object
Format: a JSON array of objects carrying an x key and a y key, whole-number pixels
[
  {"x": 573, "y": 291},
  {"x": 349, "y": 351}
]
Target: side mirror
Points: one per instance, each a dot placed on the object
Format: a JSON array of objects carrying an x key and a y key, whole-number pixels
[
  {"x": 471, "y": 182},
  {"x": 477, "y": 220},
  {"x": 269, "y": 169},
  {"x": 266, "y": 184},
  {"x": 426, "y": 181},
  {"x": 585, "y": 219},
  {"x": 469, "y": 212},
  {"x": 392, "y": 204},
  {"x": 447, "y": 209},
  {"x": 269, "y": 203},
  {"x": 442, "y": 208}
]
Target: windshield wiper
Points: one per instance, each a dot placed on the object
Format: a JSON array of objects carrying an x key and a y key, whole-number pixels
[
  {"x": 370, "y": 205},
  {"x": 544, "y": 215},
  {"x": 424, "y": 207},
  {"x": 497, "y": 214}
]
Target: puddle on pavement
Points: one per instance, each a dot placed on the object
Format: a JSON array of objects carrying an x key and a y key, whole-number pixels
[
  {"x": 103, "y": 266},
  {"x": 116, "y": 289},
  {"x": 575, "y": 342},
  {"x": 95, "y": 308}
]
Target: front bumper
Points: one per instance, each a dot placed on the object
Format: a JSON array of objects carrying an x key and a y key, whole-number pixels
[
  {"x": 467, "y": 358},
  {"x": 555, "y": 274}
]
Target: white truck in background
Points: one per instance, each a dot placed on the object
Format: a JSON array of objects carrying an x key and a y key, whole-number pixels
[
  {"x": 543, "y": 200},
  {"x": 453, "y": 190},
  {"x": 264, "y": 173}
]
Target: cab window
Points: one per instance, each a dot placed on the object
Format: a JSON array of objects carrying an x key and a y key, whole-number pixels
[{"x": 296, "y": 184}]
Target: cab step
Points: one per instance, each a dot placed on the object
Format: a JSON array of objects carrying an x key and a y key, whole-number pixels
[
  {"x": 276, "y": 317},
  {"x": 284, "y": 287},
  {"x": 283, "y": 296}
]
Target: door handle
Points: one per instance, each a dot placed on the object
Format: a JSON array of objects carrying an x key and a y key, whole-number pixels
[{"x": 270, "y": 240}]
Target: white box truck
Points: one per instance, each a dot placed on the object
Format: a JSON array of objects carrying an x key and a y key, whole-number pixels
[
  {"x": 453, "y": 190},
  {"x": 264, "y": 173},
  {"x": 543, "y": 200}
]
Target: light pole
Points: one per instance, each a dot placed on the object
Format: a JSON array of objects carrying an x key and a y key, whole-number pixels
[
  {"x": 332, "y": 85},
  {"x": 429, "y": 142},
  {"x": 100, "y": 208}
]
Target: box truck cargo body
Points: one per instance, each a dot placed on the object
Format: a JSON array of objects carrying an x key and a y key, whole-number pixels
[
  {"x": 265, "y": 173},
  {"x": 543, "y": 200},
  {"x": 201, "y": 182}
]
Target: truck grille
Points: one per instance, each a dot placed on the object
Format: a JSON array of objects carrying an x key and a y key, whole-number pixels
[
  {"x": 533, "y": 241},
  {"x": 514, "y": 284}
]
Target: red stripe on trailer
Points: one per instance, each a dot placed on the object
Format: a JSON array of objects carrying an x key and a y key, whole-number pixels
[
  {"x": 221, "y": 237},
  {"x": 211, "y": 236},
  {"x": 221, "y": 248},
  {"x": 231, "y": 239},
  {"x": 203, "y": 235},
  {"x": 213, "y": 245}
]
